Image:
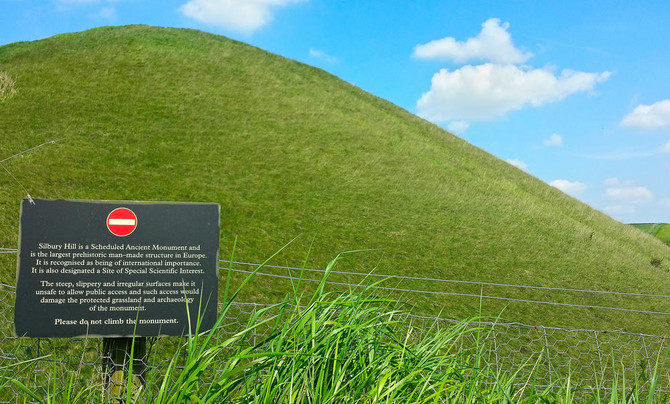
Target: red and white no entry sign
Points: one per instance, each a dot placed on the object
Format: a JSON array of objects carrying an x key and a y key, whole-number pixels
[{"x": 121, "y": 222}]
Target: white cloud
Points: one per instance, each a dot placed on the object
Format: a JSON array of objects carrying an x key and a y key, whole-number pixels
[
  {"x": 458, "y": 127},
  {"x": 78, "y": 2},
  {"x": 619, "y": 156},
  {"x": 321, "y": 55},
  {"x": 105, "y": 13},
  {"x": 245, "y": 16},
  {"x": 649, "y": 117},
  {"x": 555, "y": 140},
  {"x": 571, "y": 188},
  {"x": 629, "y": 193},
  {"x": 617, "y": 210},
  {"x": 518, "y": 164},
  {"x": 492, "y": 44},
  {"x": 488, "y": 91},
  {"x": 623, "y": 198},
  {"x": 629, "y": 155},
  {"x": 615, "y": 182}
]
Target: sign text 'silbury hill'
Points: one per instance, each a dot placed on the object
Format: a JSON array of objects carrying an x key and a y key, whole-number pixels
[{"x": 84, "y": 271}]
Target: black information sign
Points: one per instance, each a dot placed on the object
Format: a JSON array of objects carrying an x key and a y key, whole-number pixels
[{"x": 116, "y": 268}]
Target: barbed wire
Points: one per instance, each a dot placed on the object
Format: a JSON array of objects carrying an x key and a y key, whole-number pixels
[
  {"x": 480, "y": 283},
  {"x": 454, "y": 281},
  {"x": 426, "y": 279},
  {"x": 435, "y": 292},
  {"x": 480, "y": 322},
  {"x": 33, "y": 148},
  {"x": 30, "y": 198}
]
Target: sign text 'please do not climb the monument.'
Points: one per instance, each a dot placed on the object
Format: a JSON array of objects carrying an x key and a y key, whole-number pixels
[{"x": 116, "y": 268}]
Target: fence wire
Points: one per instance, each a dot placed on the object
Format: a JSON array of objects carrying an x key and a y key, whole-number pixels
[
  {"x": 593, "y": 359},
  {"x": 460, "y": 294},
  {"x": 433, "y": 280}
]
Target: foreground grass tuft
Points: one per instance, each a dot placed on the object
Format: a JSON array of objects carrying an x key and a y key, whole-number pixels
[{"x": 328, "y": 347}]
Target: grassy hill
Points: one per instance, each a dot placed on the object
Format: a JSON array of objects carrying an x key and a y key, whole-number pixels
[
  {"x": 658, "y": 230},
  {"x": 289, "y": 150}
]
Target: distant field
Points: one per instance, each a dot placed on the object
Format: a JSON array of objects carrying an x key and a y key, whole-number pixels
[{"x": 658, "y": 230}]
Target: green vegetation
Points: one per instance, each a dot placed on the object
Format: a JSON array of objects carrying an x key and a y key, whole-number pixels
[
  {"x": 338, "y": 348},
  {"x": 6, "y": 86},
  {"x": 659, "y": 230},
  {"x": 291, "y": 151}
]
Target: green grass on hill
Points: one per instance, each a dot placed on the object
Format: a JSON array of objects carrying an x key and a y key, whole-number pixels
[
  {"x": 289, "y": 150},
  {"x": 659, "y": 230}
]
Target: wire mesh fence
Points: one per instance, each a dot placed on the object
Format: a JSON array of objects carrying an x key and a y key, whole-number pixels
[{"x": 543, "y": 356}]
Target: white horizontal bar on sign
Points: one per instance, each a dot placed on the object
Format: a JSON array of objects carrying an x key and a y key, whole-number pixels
[{"x": 122, "y": 222}]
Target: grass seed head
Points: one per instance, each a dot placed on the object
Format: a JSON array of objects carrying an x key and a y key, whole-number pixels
[{"x": 7, "y": 89}]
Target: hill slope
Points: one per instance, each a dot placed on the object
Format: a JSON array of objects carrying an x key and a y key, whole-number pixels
[{"x": 288, "y": 150}]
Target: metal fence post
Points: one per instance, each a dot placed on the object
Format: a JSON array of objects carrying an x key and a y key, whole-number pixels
[
  {"x": 120, "y": 355},
  {"x": 495, "y": 347},
  {"x": 546, "y": 348},
  {"x": 600, "y": 360}
]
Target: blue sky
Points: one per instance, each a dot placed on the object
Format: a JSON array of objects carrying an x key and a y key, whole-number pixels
[{"x": 575, "y": 93}]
